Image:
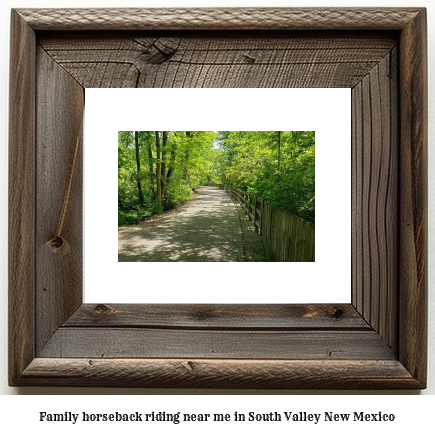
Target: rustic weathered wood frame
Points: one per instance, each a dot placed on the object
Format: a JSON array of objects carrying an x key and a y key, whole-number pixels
[{"x": 377, "y": 341}]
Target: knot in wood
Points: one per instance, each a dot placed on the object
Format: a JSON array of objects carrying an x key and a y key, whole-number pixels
[
  {"x": 103, "y": 309},
  {"x": 249, "y": 59},
  {"x": 58, "y": 244},
  {"x": 338, "y": 313}
]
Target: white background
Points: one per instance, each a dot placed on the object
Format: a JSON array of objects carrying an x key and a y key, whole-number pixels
[
  {"x": 22, "y": 411},
  {"x": 325, "y": 111}
]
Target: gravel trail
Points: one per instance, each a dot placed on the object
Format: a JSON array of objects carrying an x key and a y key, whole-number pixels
[{"x": 205, "y": 229}]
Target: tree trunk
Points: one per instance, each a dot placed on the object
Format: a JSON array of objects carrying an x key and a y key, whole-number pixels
[
  {"x": 163, "y": 168},
  {"x": 171, "y": 169},
  {"x": 158, "y": 174},
  {"x": 186, "y": 170},
  {"x": 151, "y": 165},
  {"x": 279, "y": 148},
  {"x": 139, "y": 183}
]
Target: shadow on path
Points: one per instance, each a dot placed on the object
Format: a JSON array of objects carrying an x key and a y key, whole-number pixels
[{"x": 205, "y": 229}]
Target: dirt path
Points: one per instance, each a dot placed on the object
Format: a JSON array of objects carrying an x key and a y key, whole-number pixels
[{"x": 205, "y": 229}]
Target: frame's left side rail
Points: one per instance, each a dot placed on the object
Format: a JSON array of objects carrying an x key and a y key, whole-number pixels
[{"x": 21, "y": 197}]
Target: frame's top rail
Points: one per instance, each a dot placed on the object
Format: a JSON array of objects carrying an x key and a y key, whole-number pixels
[{"x": 220, "y": 18}]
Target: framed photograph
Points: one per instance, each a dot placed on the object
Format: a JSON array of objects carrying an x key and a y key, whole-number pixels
[
  {"x": 377, "y": 341},
  {"x": 199, "y": 249}
]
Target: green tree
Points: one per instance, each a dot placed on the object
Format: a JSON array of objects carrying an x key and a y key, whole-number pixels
[
  {"x": 276, "y": 165},
  {"x": 158, "y": 170}
]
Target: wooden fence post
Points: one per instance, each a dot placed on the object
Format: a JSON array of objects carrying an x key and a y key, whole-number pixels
[{"x": 285, "y": 236}]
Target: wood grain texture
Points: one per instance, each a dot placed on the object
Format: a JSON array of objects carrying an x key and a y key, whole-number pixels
[
  {"x": 307, "y": 346},
  {"x": 375, "y": 198},
  {"x": 126, "y": 342},
  {"x": 249, "y": 374},
  {"x": 21, "y": 197},
  {"x": 219, "y": 18},
  {"x": 220, "y": 317},
  {"x": 413, "y": 197},
  {"x": 60, "y": 105},
  {"x": 286, "y": 237},
  {"x": 235, "y": 60},
  {"x": 391, "y": 322}
]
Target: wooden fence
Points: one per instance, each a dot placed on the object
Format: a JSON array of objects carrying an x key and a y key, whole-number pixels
[{"x": 286, "y": 238}]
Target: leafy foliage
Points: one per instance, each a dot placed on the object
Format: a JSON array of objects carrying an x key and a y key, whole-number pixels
[
  {"x": 276, "y": 165},
  {"x": 171, "y": 165},
  {"x": 166, "y": 166}
]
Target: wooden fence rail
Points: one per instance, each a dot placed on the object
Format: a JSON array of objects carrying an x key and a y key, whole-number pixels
[{"x": 286, "y": 238}]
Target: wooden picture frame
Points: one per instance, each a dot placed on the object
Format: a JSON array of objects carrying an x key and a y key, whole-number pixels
[{"x": 377, "y": 341}]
